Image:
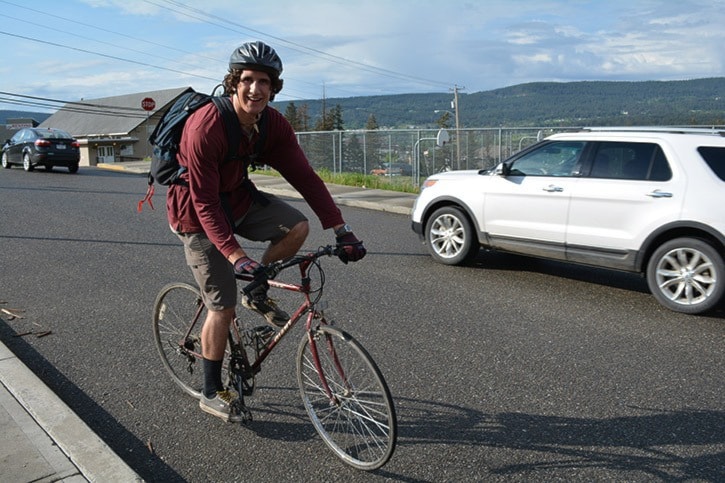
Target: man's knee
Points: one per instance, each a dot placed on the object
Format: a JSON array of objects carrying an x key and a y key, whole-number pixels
[{"x": 300, "y": 230}]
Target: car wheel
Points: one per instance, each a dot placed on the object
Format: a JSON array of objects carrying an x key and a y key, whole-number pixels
[
  {"x": 687, "y": 275},
  {"x": 27, "y": 163},
  {"x": 6, "y": 163},
  {"x": 48, "y": 167},
  {"x": 450, "y": 237},
  {"x": 73, "y": 168}
]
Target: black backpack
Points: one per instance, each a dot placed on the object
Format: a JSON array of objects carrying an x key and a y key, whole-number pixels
[{"x": 165, "y": 168}]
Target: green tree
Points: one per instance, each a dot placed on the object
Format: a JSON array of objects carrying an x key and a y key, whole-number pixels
[
  {"x": 444, "y": 122},
  {"x": 372, "y": 123},
  {"x": 337, "y": 122},
  {"x": 303, "y": 116},
  {"x": 293, "y": 116}
]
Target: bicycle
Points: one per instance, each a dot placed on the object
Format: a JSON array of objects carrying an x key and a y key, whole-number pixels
[{"x": 342, "y": 388}]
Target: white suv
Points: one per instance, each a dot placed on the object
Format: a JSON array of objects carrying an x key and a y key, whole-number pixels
[{"x": 647, "y": 200}]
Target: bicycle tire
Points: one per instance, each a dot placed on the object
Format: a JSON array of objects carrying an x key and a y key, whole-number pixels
[
  {"x": 174, "y": 309},
  {"x": 361, "y": 426}
]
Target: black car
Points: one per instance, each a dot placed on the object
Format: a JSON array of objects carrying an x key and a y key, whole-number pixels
[{"x": 36, "y": 146}]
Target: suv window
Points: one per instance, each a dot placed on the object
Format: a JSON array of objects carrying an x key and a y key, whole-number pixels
[
  {"x": 715, "y": 158},
  {"x": 558, "y": 158},
  {"x": 638, "y": 161}
]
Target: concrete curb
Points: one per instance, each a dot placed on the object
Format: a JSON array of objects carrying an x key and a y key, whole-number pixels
[{"x": 94, "y": 458}]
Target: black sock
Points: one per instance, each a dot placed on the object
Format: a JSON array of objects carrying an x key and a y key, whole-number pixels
[
  {"x": 260, "y": 292},
  {"x": 212, "y": 377}
]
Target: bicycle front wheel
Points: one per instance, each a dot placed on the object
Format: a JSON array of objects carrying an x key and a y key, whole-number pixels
[
  {"x": 178, "y": 316},
  {"x": 356, "y": 419}
]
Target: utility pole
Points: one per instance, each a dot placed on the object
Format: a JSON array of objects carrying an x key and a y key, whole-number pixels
[
  {"x": 324, "y": 107},
  {"x": 454, "y": 105}
]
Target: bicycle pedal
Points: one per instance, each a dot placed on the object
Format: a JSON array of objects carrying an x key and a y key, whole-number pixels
[
  {"x": 263, "y": 331},
  {"x": 263, "y": 334},
  {"x": 246, "y": 416},
  {"x": 244, "y": 412}
]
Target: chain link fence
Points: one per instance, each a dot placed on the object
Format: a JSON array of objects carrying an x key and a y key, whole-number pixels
[{"x": 414, "y": 153}]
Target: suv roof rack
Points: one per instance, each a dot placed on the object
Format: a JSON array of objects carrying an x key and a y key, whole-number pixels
[{"x": 668, "y": 129}]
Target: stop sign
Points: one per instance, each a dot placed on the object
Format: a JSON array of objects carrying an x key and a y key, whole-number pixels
[{"x": 148, "y": 104}]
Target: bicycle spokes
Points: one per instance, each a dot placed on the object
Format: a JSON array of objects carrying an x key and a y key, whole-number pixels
[{"x": 347, "y": 398}]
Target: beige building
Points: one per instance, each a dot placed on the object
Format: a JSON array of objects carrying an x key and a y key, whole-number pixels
[{"x": 113, "y": 129}]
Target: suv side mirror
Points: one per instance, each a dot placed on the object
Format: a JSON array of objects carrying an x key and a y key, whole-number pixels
[{"x": 504, "y": 169}]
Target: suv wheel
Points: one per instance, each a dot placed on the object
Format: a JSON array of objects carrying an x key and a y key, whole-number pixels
[
  {"x": 687, "y": 275},
  {"x": 6, "y": 163},
  {"x": 73, "y": 168},
  {"x": 27, "y": 163},
  {"x": 450, "y": 237}
]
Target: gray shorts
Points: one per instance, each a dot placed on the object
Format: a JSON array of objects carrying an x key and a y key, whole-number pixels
[{"x": 213, "y": 272}]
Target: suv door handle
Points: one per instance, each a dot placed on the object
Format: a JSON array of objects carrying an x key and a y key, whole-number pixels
[
  {"x": 553, "y": 189},
  {"x": 660, "y": 194}
]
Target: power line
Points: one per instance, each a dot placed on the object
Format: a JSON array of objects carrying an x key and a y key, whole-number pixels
[
  {"x": 299, "y": 47},
  {"x": 71, "y": 106},
  {"x": 186, "y": 10},
  {"x": 113, "y": 45},
  {"x": 108, "y": 56},
  {"x": 126, "y": 48},
  {"x": 121, "y": 34}
]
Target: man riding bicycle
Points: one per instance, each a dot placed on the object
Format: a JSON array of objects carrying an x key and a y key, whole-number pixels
[{"x": 217, "y": 191}]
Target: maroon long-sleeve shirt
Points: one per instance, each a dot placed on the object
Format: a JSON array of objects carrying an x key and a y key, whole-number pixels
[{"x": 203, "y": 149}]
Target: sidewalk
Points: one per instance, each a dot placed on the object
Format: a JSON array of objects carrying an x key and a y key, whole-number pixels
[
  {"x": 43, "y": 440},
  {"x": 373, "y": 199}
]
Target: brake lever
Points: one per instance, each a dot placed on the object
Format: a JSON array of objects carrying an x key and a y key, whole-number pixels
[{"x": 261, "y": 276}]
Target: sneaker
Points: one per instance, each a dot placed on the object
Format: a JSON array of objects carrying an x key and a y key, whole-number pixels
[
  {"x": 265, "y": 306},
  {"x": 223, "y": 405}
]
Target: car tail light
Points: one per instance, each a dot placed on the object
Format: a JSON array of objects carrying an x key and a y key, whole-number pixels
[
  {"x": 42, "y": 143},
  {"x": 75, "y": 144}
]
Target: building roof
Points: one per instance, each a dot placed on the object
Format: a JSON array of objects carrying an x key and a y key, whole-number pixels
[
  {"x": 109, "y": 116},
  {"x": 13, "y": 125}
]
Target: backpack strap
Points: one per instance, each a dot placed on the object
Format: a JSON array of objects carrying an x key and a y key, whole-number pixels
[{"x": 231, "y": 125}]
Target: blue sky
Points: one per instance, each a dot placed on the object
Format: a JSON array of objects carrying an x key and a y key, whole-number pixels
[{"x": 88, "y": 49}]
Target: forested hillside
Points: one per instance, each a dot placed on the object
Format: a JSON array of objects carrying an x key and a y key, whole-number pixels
[
  {"x": 700, "y": 102},
  {"x": 38, "y": 116},
  {"x": 692, "y": 102}
]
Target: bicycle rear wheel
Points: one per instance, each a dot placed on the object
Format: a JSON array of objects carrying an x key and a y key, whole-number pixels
[
  {"x": 178, "y": 316},
  {"x": 359, "y": 422}
]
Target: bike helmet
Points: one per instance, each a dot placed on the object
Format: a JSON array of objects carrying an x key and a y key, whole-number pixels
[{"x": 256, "y": 56}]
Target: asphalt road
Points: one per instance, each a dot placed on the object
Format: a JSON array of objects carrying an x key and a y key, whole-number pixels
[{"x": 511, "y": 370}]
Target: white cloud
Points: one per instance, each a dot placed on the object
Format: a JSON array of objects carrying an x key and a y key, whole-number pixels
[{"x": 361, "y": 48}]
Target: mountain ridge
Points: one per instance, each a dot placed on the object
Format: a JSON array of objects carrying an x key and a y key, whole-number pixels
[{"x": 576, "y": 103}]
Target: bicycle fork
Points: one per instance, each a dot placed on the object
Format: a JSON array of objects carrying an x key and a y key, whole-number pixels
[{"x": 331, "y": 395}]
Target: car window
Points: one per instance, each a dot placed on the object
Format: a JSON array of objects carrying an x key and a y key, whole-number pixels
[
  {"x": 558, "y": 158},
  {"x": 26, "y": 136},
  {"x": 715, "y": 158},
  {"x": 55, "y": 134},
  {"x": 626, "y": 160},
  {"x": 17, "y": 136}
]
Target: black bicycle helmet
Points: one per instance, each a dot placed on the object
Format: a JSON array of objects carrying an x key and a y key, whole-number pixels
[{"x": 256, "y": 56}]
